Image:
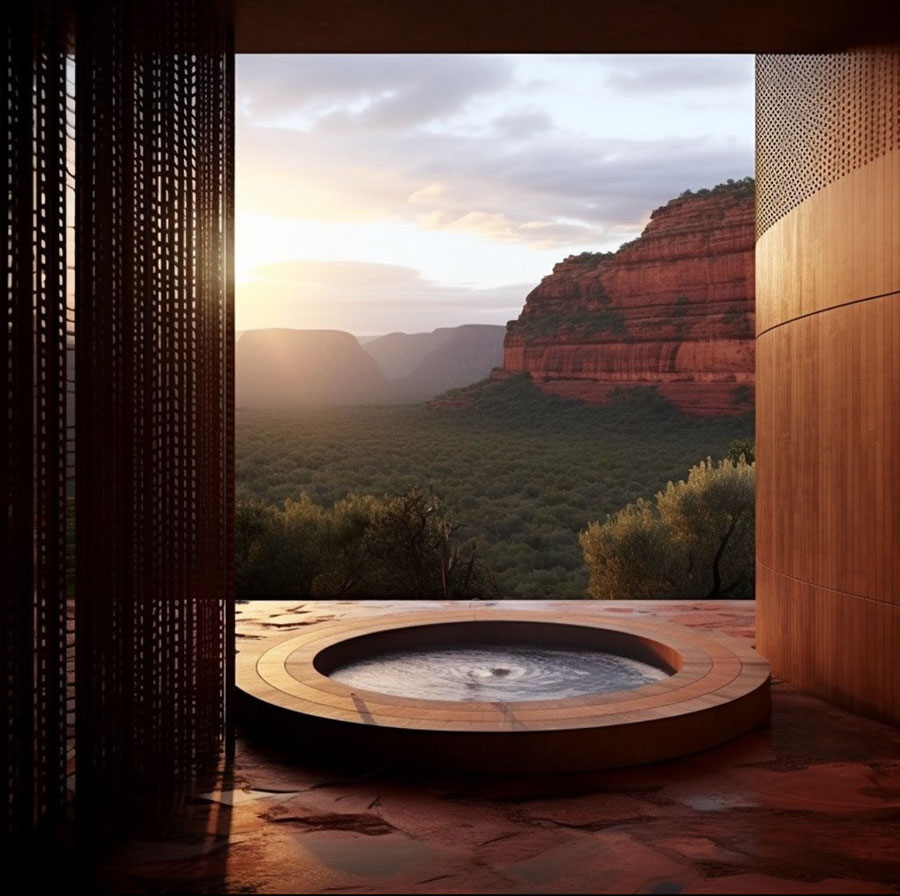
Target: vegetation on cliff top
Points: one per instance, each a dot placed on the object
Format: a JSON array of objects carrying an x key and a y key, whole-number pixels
[
  {"x": 744, "y": 186},
  {"x": 589, "y": 259},
  {"x": 739, "y": 189},
  {"x": 575, "y": 322}
]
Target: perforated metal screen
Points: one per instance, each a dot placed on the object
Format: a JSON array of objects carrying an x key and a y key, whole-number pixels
[
  {"x": 118, "y": 404},
  {"x": 35, "y": 351},
  {"x": 819, "y": 117}
]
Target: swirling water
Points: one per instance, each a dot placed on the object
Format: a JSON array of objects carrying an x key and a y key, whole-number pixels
[{"x": 496, "y": 672}]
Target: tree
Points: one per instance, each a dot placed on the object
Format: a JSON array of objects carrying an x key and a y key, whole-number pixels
[
  {"x": 415, "y": 553},
  {"x": 630, "y": 556},
  {"x": 281, "y": 551},
  {"x": 741, "y": 447},
  {"x": 696, "y": 541},
  {"x": 347, "y": 549},
  {"x": 253, "y": 524},
  {"x": 362, "y": 547}
]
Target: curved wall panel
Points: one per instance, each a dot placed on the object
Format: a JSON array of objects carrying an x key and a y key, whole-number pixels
[{"x": 828, "y": 375}]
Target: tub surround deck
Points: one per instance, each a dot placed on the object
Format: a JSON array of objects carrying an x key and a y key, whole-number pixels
[
  {"x": 720, "y": 690},
  {"x": 808, "y": 803}
]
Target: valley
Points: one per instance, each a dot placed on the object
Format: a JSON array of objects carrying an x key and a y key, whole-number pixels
[{"x": 521, "y": 471}]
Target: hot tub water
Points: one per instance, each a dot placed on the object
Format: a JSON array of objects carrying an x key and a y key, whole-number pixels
[{"x": 492, "y": 672}]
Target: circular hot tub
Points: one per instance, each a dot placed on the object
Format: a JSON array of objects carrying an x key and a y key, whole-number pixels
[{"x": 493, "y": 691}]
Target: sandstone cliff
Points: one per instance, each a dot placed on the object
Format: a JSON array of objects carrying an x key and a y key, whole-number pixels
[{"x": 673, "y": 308}]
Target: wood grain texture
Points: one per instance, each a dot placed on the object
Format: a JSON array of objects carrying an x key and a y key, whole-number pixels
[
  {"x": 828, "y": 428},
  {"x": 841, "y": 245},
  {"x": 839, "y": 646},
  {"x": 828, "y": 432}
]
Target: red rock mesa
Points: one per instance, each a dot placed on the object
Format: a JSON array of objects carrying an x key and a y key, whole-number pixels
[{"x": 673, "y": 308}]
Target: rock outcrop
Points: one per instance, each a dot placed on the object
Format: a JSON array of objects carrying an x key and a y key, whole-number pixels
[{"x": 673, "y": 308}]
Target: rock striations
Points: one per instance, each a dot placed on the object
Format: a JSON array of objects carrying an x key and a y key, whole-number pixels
[{"x": 673, "y": 308}]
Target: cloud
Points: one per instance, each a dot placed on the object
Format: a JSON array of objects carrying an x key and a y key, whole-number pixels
[
  {"x": 670, "y": 73},
  {"x": 374, "y": 91},
  {"x": 496, "y": 226},
  {"x": 366, "y": 298},
  {"x": 564, "y": 191},
  {"x": 427, "y": 193},
  {"x": 519, "y": 125},
  {"x": 513, "y": 161}
]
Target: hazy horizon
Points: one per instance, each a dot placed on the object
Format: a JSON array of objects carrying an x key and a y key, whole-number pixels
[
  {"x": 402, "y": 193},
  {"x": 364, "y": 337}
]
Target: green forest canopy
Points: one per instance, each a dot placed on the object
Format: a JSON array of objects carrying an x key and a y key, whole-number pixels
[{"x": 522, "y": 472}]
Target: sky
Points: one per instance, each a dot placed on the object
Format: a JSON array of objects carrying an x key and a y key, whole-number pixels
[{"x": 403, "y": 193}]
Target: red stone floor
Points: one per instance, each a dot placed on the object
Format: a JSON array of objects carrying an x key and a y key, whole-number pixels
[{"x": 809, "y": 803}]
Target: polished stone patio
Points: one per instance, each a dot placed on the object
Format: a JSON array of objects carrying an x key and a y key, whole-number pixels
[{"x": 809, "y": 803}]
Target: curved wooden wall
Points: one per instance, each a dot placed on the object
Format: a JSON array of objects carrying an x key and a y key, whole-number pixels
[{"x": 828, "y": 375}]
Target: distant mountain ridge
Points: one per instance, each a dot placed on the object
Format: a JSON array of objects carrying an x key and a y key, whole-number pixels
[
  {"x": 399, "y": 354},
  {"x": 283, "y": 368},
  {"x": 423, "y": 365}
]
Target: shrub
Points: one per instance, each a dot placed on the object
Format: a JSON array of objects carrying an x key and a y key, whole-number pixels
[
  {"x": 741, "y": 448},
  {"x": 695, "y": 541},
  {"x": 744, "y": 186},
  {"x": 364, "y": 547}
]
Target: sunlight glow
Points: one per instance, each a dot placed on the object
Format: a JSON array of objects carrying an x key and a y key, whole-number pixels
[{"x": 477, "y": 173}]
